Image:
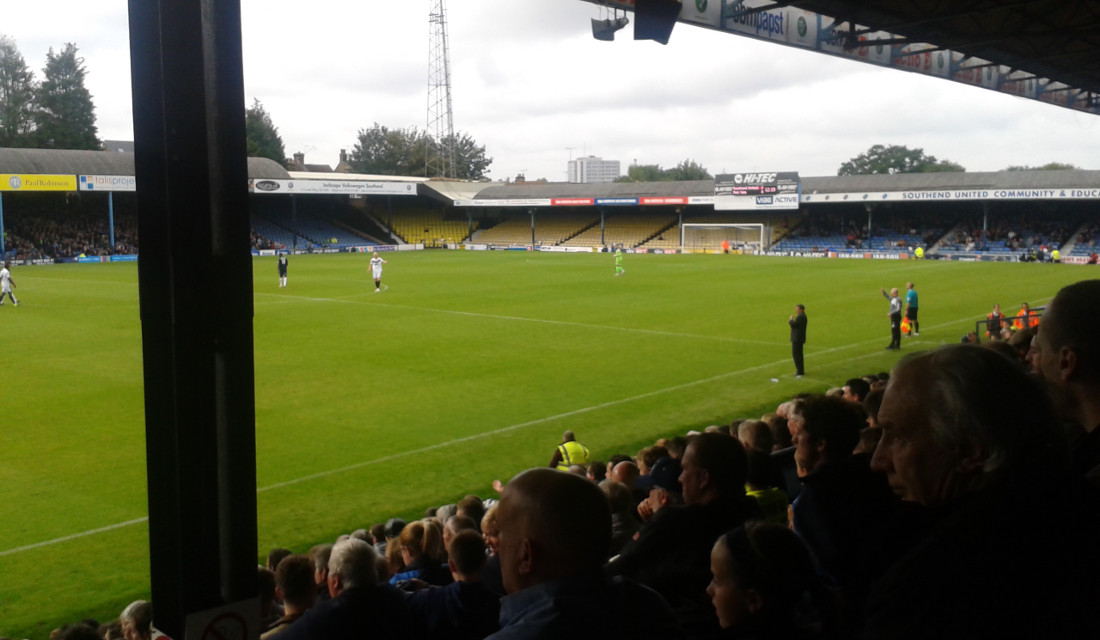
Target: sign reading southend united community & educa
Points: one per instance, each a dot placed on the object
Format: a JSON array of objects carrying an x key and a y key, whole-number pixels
[
  {"x": 756, "y": 191},
  {"x": 34, "y": 182}
]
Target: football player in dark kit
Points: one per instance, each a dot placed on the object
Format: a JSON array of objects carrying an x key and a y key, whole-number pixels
[{"x": 282, "y": 270}]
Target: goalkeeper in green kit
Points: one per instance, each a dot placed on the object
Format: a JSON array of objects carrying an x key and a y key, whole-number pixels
[{"x": 619, "y": 262}]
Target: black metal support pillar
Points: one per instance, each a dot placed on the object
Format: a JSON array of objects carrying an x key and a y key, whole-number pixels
[
  {"x": 985, "y": 224},
  {"x": 870, "y": 224},
  {"x": 195, "y": 284},
  {"x": 294, "y": 223}
]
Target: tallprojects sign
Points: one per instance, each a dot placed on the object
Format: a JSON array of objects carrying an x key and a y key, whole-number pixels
[
  {"x": 756, "y": 191},
  {"x": 35, "y": 182},
  {"x": 107, "y": 183},
  {"x": 334, "y": 186}
]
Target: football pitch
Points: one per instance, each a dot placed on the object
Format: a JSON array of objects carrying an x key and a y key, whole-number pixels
[{"x": 467, "y": 368}]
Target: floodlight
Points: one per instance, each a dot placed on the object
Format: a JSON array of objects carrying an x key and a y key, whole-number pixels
[{"x": 605, "y": 29}]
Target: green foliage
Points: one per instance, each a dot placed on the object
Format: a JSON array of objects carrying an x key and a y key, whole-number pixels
[
  {"x": 687, "y": 170},
  {"x": 471, "y": 163},
  {"x": 893, "y": 159},
  {"x": 642, "y": 173},
  {"x": 262, "y": 135},
  {"x": 1050, "y": 166},
  {"x": 17, "y": 97},
  {"x": 386, "y": 151},
  {"x": 351, "y": 431},
  {"x": 404, "y": 152},
  {"x": 65, "y": 115}
]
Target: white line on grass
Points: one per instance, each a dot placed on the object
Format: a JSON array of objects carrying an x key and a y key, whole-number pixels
[
  {"x": 82, "y": 534},
  {"x": 449, "y": 443},
  {"x": 477, "y": 436},
  {"x": 567, "y": 323}
]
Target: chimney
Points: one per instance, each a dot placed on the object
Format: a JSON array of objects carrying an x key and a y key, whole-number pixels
[
  {"x": 343, "y": 155},
  {"x": 300, "y": 159},
  {"x": 521, "y": 178}
]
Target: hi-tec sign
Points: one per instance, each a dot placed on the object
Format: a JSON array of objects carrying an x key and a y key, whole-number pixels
[{"x": 767, "y": 190}]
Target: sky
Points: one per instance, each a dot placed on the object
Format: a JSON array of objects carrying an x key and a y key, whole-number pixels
[{"x": 530, "y": 83}]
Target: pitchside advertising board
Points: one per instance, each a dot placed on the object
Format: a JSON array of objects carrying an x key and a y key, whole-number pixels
[
  {"x": 1072, "y": 193},
  {"x": 107, "y": 183},
  {"x": 36, "y": 182},
  {"x": 586, "y": 202},
  {"x": 761, "y": 191},
  {"x": 334, "y": 187}
]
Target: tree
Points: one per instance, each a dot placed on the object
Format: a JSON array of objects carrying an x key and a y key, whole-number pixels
[
  {"x": 895, "y": 159},
  {"x": 402, "y": 152},
  {"x": 262, "y": 135},
  {"x": 65, "y": 116},
  {"x": 471, "y": 162},
  {"x": 385, "y": 151},
  {"x": 17, "y": 89},
  {"x": 642, "y": 173},
  {"x": 688, "y": 170},
  {"x": 1050, "y": 166}
]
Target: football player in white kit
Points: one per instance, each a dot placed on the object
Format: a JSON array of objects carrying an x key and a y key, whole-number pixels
[
  {"x": 6, "y": 284},
  {"x": 376, "y": 270}
]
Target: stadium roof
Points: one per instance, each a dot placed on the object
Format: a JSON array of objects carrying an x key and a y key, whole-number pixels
[
  {"x": 597, "y": 190},
  {"x": 810, "y": 185},
  {"x": 953, "y": 180},
  {"x": 106, "y": 163},
  {"x": 1056, "y": 39},
  {"x": 447, "y": 191},
  {"x": 1043, "y": 50}
]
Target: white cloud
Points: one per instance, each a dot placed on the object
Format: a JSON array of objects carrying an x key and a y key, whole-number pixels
[{"x": 530, "y": 83}]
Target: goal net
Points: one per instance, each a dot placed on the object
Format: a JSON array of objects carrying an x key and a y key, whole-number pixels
[{"x": 698, "y": 237}]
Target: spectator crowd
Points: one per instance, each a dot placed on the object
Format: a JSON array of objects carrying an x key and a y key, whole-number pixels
[{"x": 956, "y": 496}]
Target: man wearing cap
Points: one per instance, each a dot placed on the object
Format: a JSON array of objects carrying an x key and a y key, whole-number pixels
[
  {"x": 569, "y": 453},
  {"x": 663, "y": 483}
]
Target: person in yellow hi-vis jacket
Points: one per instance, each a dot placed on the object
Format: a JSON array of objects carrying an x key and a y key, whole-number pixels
[{"x": 569, "y": 452}]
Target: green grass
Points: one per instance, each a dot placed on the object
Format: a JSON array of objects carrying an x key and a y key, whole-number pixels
[{"x": 466, "y": 369}]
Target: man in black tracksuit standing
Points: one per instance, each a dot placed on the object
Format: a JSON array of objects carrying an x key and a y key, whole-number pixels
[{"x": 798, "y": 338}]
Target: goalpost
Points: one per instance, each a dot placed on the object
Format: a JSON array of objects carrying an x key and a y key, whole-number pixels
[{"x": 699, "y": 237}]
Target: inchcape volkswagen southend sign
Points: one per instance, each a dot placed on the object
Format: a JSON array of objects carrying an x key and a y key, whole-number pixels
[
  {"x": 334, "y": 186},
  {"x": 767, "y": 190}
]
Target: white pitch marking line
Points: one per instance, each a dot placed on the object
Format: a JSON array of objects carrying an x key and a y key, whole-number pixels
[
  {"x": 567, "y": 323},
  {"x": 441, "y": 445}
]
